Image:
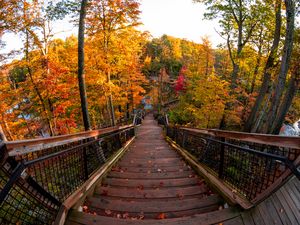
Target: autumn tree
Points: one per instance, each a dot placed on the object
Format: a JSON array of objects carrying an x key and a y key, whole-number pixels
[{"x": 106, "y": 18}]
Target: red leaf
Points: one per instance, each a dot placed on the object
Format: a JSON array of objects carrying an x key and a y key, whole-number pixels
[
  {"x": 161, "y": 216},
  {"x": 105, "y": 192}
]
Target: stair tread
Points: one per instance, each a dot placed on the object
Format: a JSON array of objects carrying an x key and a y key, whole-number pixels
[
  {"x": 146, "y": 183},
  {"x": 170, "y": 192},
  {"x": 153, "y": 206},
  {"x": 158, "y": 175},
  {"x": 215, "y": 217}
]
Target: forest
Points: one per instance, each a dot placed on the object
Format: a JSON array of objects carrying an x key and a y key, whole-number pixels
[{"x": 98, "y": 78}]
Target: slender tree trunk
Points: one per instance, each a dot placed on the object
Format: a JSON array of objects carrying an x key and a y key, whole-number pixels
[
  {"x": 2, "y": 134},
  {"x": 266, "y": 84},
  {"x": 81, "y": 75},
  {"x": 42, "y": 102},
  {"x": 293, "y": 87},
  {"x": 261, "y": 117},
  {"x": 110, "y": 102},
  {"x": 287, "y": 53},
  {"x": 258, "y": 62}
]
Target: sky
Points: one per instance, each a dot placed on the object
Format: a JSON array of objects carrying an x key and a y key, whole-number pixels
[{"x": 178, "y": 18}]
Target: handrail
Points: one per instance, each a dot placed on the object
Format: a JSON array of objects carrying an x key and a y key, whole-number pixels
[
  {"x": 41, "y": 174},
  {"x": 252, "y": 165},
  {"x": 32, "y": 145},
  {"x": 267, "y": 139}
]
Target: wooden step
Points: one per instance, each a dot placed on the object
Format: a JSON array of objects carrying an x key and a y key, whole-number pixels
[
  {"x": 158, "y": 175},
  {"x": 171, "y": 192},
  {"x": 154, "y": 215},
  {"x": 147, "y": 157},
  {"x": 151, "y": 164},
  {"x": 151, "y": 161},
  {"x": 159, "y": 183},
  {"x": 153, "y": 206},
  {"x": 216, "y": 217},
  {"x": 153, "y": 170}
]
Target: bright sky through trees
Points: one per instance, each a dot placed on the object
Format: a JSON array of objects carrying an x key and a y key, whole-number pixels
[{"x": 178, "y": 18}]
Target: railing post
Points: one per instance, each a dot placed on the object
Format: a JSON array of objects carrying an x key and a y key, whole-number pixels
[
  {"x": 222, "y": 154},
  {"x": 183, "y": 139},
  {"x": 85, "y": 163}
]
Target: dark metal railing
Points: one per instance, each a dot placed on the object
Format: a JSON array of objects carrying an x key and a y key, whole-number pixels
[
  {"x": 37, "y": 176},
  {"x": 251, "y": 168}
]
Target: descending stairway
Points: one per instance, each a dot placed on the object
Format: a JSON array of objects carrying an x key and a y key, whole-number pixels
[{"x": 151, "y": 184}]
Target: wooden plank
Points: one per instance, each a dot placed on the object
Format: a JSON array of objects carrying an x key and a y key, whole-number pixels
[
  {"x": 257, "y": 217},
  {"x": 247, "y": 218},
  {"x": 273, "y": 140},
  {"x": 159, "y": 183},
  {"x": 154, "y": 169},
  {"x": 200, "y": 219},
  {"x": 234, "y": 221},
  {"x": 296, "y": 182},
  {"x": 153, "y": 205},
  {"x": 149, "y": 175},
  {"x": 294, "y": 193},
  {"x": 280, "y": 210},
  {"x": 269, "y": 213},
  {"x": 264, "y": 214},
  {"x": 281, "y": 198},
  {"x": 291, "y": 203},
  {"x": 32, "y": 145},
  {"x": 171, "y": 192}
]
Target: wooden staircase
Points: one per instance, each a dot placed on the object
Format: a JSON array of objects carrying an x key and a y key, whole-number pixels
[{"x": 152, "y": 184}]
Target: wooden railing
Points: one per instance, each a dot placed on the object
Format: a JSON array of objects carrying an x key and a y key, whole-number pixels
[
  {"x": 250, "y": 165},
  {"x": 37, "y": 176}
]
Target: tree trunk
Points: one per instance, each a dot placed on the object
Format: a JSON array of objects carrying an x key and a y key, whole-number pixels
[
  {"x": 287, "y": 53},
  {"x": 266, "y": 84},
  {"x": 2, "y": 134},
  {"x": 42, "y": 102},
  {"x": 287, "y": 102},
  {"x": 258, "y": 61},
  {"x": 81, "y": 75},
  {"x": 110, "y": 101}
]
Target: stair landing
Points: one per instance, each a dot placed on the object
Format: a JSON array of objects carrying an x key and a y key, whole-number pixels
[{"x": 152, "y": 184}]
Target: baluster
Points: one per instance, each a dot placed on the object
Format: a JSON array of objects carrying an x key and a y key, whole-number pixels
[
  {"x": 85, "y": 162},
  {"x": 222, "y": 155},
  {"x": 183, "y": 139}
]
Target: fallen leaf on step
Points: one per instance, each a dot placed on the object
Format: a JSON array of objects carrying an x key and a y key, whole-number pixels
[
  {"x": 105, "y": 192},
  {"x": 140, "y": 187},
  {"x": 85, "y": 208},
  {"x": 281, "y": 210},
  {"x": 107, "y": 212},
  {"x": 161, "y": 216},
  {"x": 180, "y": 196}
]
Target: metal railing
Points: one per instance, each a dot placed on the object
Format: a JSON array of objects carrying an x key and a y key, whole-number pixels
[
  {"x": 252, "y": 165},
  {"x": 37, "y": 176}
]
